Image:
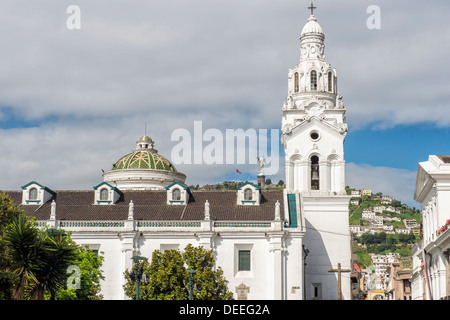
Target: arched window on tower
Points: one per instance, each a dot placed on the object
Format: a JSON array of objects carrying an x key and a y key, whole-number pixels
[
  {"x": 296, "y": 82},
  {"x": 314, "y": 173},
  {"x": 313, "y": 80},
  {"x": 330, "y": 82}
]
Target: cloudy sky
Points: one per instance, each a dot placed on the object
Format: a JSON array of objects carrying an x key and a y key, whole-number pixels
[{"x": 73, "y": 101}]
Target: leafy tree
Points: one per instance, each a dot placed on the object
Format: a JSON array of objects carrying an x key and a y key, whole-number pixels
[
  {"x": 34, "y": 262},
  {"x": 40, "y": 258},
  {"x": 8, "y": 211},
  {"x": 168, "y": 277},
  {"x": 376, "y": 238},
  {"x": 23, "y": 246},
  {"x": 210, "y": 284},
  {"x": 90, "y": 275},
  {"x": 396, "y": 203},
  {"x": 55, "y": 254},
  {"x": 406, "y": 238}
]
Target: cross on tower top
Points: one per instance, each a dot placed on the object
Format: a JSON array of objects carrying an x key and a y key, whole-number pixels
[{"x": 312, "y": 8}]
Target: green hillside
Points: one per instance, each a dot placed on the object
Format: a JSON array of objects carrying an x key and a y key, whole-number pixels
[{"x": 379, "y": 241}]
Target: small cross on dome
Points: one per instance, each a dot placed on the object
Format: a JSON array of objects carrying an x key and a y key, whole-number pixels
[{"x": 312, "y": 8}]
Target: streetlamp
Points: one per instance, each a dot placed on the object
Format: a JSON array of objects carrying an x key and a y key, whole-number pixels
[
  {"x": 55, "y": 232},
  {"x": 305, "y": 252},
  {"x": 191, "y": 282},
  {"x": 137, "y": 273}
]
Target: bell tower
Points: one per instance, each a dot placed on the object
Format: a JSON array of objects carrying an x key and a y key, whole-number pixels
[
  {"x": 313, "y": 123},
  {"x": 313, "y": 133}
]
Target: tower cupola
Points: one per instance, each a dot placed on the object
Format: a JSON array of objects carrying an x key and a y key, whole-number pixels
[
  {"x": 313, "y": 123},
  {"x": 312, "y": 41}
]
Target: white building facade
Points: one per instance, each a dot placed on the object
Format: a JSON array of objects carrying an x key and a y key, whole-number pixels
[
  {"x": 431, "y": 267},
  {"x": 313, "y": 133},
  {"x": 279, "y": 244},
  {"x": 255, "y": 238}
]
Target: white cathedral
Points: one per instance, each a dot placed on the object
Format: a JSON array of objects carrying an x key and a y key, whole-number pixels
[{"x": 272, "y": 244}]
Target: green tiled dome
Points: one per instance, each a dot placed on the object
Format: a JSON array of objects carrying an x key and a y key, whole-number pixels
[
  {"x": 143, "y": 160},
  {"x": 144, "y": 157}
]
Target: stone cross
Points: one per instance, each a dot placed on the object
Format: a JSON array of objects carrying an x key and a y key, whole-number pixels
[
  {"x": 339, "y": 271},
  {"x": 312, "y": 8}
]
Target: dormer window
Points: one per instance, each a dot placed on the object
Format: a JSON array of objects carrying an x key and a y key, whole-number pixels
[
  {"x": 177, "y": 193},
  {"x": 106, "y": 194},
  {"x": 36, "y": 194},
  {"x": 33, "y": 194},
  {"x": 248, "y": 194}
]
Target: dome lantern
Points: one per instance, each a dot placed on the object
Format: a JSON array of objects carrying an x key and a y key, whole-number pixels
[{"x": 145, "y": 143}]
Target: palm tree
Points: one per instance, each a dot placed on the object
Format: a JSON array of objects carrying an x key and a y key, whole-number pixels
[
  {"x": 23, "y": 246},
  {"x": 40, "y": 258},
  {"x": 58, "y": 253}
]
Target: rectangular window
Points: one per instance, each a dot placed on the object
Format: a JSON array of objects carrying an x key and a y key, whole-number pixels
[
  {"x": 244, "y": 260},
  {"x": 316, "y": 291}
]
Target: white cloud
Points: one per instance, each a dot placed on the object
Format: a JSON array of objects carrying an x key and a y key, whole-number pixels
[
  {"x": 206, "y": 57},
  {"x": 71, "y": 154}
]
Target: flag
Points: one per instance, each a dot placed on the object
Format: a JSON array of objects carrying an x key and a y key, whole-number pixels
[{"x": 238, "y": 171}]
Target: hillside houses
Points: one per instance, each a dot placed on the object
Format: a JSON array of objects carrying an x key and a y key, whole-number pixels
[
  {"x": 381, "y": 263},
  {"x": 359, "y": 193},
  {"x": 388, "y": 277},
  {"x": 381, "y": 223},
  {"x": 356, "y": 193},
  {"x": 379, "y": 209},
  {"x": 381, "y": 216},
  {"x": 392, "y": 209},
  {"x": 386, "y": 200}
]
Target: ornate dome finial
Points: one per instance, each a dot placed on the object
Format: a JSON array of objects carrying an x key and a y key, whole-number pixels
[
  {"x": 312, "y": 8},
  {"x": 312, "y": 27},
  {"x": 145, "y": 143}
]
